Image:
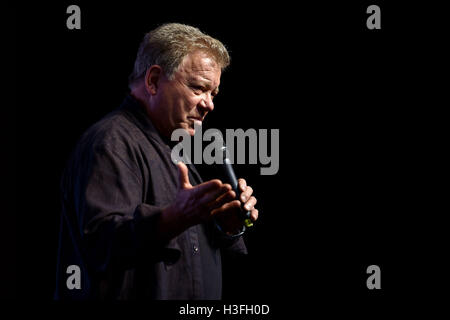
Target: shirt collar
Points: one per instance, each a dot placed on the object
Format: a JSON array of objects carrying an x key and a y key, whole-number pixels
[{"x": 133, "y": 106}]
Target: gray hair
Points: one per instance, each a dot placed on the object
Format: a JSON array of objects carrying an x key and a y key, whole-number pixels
[{"x": 168, "y": 44}]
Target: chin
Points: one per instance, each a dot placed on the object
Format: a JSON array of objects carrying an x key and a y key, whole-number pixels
[{"x": 190, "y": 130}]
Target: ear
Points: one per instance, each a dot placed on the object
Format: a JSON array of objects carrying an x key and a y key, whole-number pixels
[{"x": 152, "y": 78}]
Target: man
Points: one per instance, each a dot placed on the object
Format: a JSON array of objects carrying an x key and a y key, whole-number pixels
[{"x": 137, "y": 225}]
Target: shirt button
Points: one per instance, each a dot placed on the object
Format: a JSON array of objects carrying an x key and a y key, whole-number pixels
[{"x": 195, "y": 249}]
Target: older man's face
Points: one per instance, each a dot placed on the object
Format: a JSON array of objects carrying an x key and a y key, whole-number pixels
[{"x": 188, "y": 97}]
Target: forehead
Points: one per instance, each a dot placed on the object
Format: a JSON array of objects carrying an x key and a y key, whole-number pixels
[{"x": 200, "y": 66}]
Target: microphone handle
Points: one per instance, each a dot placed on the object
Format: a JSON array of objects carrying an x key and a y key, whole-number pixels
[{"x": 234, "y": 184}]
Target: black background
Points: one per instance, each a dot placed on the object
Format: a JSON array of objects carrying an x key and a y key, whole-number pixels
[{"x": 355, "y": 108}]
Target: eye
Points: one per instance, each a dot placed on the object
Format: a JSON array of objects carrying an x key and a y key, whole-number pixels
[{"x": 197, "y": 89}]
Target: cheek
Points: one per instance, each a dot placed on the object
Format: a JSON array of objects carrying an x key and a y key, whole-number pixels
[
  {"x": 183, "y": 107},
  {"x": 191, "y": 102}
]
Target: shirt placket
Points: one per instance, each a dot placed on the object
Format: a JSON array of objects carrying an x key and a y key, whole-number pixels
[{"x": 197, "y": 282}]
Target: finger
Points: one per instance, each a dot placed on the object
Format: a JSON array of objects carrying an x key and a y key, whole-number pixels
[
  {"x": 213, "y": 194},
  {"x": 254, "y": 214},
  {"x": 242, "y": 184},
  {"x": 229, "y": 207},
  {"x": 250, "y": 203},
  {"x": 224, "y": 198},
  {"x": 246, "y": 194},
  {"x": 229, "y": 196},
  {"x": 183, "y": 176},
  {"x": 207, "y": 186}
]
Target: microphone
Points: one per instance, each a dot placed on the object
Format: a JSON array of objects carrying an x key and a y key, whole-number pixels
[{"x": 231, "y": 176}]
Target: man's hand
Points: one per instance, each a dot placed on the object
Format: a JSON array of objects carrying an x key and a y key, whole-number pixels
[
  {"x": 193, "y": 204},
  {"x": 229, "y": 215},
  {"x": 198, "y": 204}
]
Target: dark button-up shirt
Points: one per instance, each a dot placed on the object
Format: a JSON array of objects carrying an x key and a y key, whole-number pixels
[{"x": 117, "y": 181}]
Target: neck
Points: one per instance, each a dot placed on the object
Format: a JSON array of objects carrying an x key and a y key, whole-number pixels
[{"x": 139, "y": 92}]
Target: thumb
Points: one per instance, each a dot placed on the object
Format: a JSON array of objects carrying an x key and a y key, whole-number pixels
[{"x": 183, "y": 175}]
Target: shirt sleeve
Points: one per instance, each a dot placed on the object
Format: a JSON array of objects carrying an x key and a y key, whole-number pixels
[
  {"x": 230, "y": 245},
  {"x": 116, "y": 227},
  {"x": 235, "y": 246}
]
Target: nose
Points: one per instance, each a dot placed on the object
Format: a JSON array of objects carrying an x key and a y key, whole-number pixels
[{"x": 207, "y": 103}]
